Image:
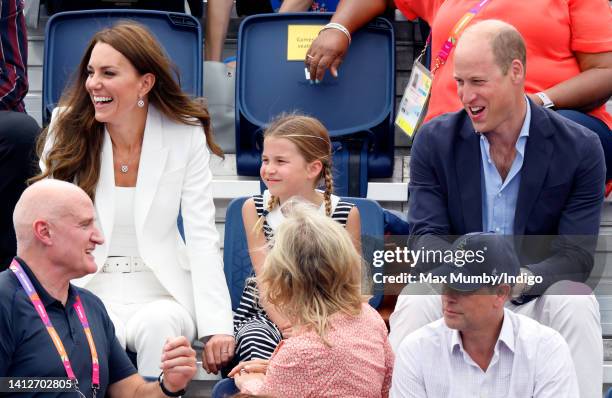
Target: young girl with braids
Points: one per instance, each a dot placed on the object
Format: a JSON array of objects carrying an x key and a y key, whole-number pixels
[{"x": 296, "y": 158}]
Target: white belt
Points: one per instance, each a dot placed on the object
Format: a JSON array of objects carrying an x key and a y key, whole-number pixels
[{"x": 124, "y": 265}]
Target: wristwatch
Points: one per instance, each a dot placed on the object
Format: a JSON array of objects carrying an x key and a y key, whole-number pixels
[
  {"x": 546, "y": 101},
  {"x": 160, "y": 379}
]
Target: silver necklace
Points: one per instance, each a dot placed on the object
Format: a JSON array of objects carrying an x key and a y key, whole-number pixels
[{"x": 125, "y": 167}]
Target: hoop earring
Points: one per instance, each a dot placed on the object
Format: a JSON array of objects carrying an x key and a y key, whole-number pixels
[{"x": 140, "y": 103}]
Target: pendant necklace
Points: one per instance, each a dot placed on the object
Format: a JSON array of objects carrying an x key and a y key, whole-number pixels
[{"x": 124, "y": 167}]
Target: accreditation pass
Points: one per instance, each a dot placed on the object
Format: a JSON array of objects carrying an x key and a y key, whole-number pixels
[
  {"x": 413, "y": 106},
  {"x": 36, "y": 384}
]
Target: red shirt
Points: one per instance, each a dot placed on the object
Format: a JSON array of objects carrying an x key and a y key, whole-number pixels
[{"x": 553, "y": 30}]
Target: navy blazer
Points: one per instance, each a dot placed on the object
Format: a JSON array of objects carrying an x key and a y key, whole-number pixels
[{"x": 561, "y": 190}]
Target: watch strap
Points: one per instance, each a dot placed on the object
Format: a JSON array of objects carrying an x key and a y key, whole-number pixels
[
  {"x": 179, "y": 393},
  {"x": 546, "y": 101}
]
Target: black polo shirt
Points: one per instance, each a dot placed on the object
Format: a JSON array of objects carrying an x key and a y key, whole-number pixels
[{"x": 26, "y": 349}]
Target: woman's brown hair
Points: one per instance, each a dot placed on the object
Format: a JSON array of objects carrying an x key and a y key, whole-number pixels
[{"x": 78, "y": 137}]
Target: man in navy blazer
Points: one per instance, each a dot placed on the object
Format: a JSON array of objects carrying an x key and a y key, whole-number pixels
[{"x": 506, "y": 165}]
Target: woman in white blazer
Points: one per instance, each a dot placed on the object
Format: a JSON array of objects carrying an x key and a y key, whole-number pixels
[{"x": 139, "y": 146}]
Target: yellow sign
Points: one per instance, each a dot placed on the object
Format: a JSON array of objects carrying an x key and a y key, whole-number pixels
[{"x": 299, "y": 39}]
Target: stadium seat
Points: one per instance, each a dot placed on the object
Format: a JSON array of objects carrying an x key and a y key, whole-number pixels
[
  {"x": 224, "y": 388},
  {"x": 237, "y": 262},
  {"x": 68, "y": 33},
  {"x": 195, "y": 6},
  {"x": 357, "y": 107}
]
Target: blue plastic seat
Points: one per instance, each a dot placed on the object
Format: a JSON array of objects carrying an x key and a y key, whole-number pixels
[
  {"x": 224, "y": 388},
  {"x": 357, "y": 108},
  {"x": 68, "y": 33},
  {"x": 237, "y": 262}
]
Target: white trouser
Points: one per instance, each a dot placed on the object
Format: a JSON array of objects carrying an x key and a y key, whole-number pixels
[
  {"x": 575, "y": 317},
  {"x": 144, "y": 315}
]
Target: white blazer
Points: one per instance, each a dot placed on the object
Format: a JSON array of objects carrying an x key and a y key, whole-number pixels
[{"x": 173, "y": 173}]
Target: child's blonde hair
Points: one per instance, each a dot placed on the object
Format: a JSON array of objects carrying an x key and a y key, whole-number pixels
[
  {"x": 312, "y": 270},
  {"x": 312, "y": 141}
]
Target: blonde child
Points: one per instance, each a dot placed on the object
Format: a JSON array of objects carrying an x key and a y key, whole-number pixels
[
  {"x": 339, "y": 346},
  {"x": 296, "y": 159}
]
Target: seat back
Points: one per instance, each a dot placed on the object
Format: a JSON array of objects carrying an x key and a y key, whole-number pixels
[
  {"x": 357, "y": 108},
  {"x": 372, "y": 238},
  {"x": 68, "y": 33},
  {"x": 224, "y": 388},
  {"x": 237, "y": 262},
  {"x": 195, "y": 6}
]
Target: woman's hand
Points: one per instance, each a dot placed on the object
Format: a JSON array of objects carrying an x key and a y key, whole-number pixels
[
  {"x": 241, "y": 380},
  {"x": 253, "y": 366},
  {"x": 326, "y": 51}
]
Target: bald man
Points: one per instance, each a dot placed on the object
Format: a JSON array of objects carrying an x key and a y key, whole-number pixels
[
  {"x": 50, "y": 328},
  {"x": 505, "y": 165}
]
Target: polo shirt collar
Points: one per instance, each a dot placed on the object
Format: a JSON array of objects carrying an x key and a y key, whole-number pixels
[{"x": 45, "y": 297}]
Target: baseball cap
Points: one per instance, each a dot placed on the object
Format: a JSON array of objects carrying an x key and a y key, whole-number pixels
[{"x": 492, "y": 259}]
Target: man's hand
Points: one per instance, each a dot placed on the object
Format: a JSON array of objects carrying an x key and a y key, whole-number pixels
[
  {"x": 178, "y": 363},
  {"x": 218, "y": 351}
]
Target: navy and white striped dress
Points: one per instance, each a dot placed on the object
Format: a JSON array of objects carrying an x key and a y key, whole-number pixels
[{"x": 256, "y": 335}]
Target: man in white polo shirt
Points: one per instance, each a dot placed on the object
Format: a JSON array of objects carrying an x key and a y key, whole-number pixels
[{"x": 480, "y": 348}]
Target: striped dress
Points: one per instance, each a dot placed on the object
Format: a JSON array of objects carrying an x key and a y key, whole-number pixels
[{"x": 256, "y": 335}]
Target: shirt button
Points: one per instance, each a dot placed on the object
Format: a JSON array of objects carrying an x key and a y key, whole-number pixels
[{"x": 499, "y": 195}]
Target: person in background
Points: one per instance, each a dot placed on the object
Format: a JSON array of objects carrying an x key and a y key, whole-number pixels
[
  {"x": 492, "y": 351},
  {"x": 140, "y": 148},
  {"x": 18, "y": 131},
  {"x": 569, "y": 48},
  {"x": 338, "y": 345},
  {"x": 218, "y": 13},
  {"x": 46, "y": 321}
]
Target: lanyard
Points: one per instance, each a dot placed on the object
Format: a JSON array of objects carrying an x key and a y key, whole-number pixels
[
  {"x": 42, "y": 312},
  {"x": 444, "y": 52}
]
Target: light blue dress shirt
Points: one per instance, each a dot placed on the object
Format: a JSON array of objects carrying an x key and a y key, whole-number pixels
[{"x": 499, "y": 197}]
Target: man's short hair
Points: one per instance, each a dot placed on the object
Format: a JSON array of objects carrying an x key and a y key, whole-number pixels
[{"x": 507, "y": 45}]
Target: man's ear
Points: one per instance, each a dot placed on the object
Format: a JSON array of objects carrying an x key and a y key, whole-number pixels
[
  {"x": 503, "y": 293},
  {"x": 517, "y": 71},
  {"x": 313, "y": 169},
  {"x": 42, "y": 232}
]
